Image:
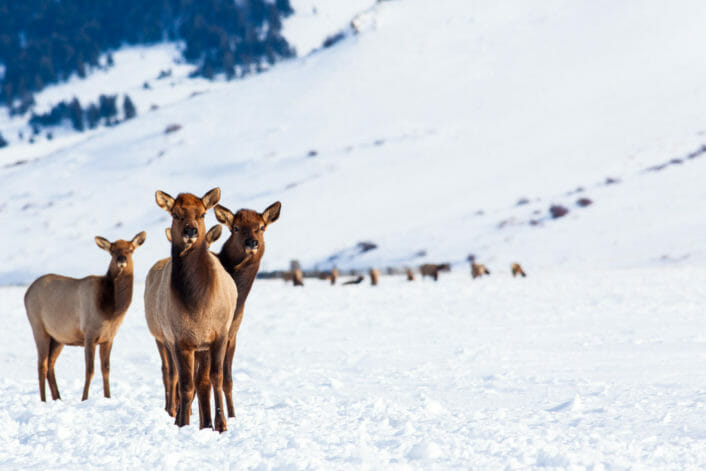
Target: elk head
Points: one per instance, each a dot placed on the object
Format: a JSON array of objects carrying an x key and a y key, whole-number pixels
[
  {"x": 188, "y": 212},
  {"x": 121, "y": 252},
  {"x": 247, "y": 229}
]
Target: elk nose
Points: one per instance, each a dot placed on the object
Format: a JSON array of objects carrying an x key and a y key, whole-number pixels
[
  {"x": 190, "y": 232},
  {"x": 122, "y": 259},
  {"x": 251, "y": 244}
]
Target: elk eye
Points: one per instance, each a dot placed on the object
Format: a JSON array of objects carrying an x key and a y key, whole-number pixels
[
  {"x": 262, "y": 228},
  {"x": 235, "y": 229},
  {"x": 203, "y": 215}
]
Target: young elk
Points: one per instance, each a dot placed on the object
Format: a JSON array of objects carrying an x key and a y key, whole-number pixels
[
  {"x": 240, "y": 256},
  {"x": 87, "y": 311},
  {"x": 478, "y": 270},
  {"x": 189, "y": 305},
  {"x": 517, "y": 270}
]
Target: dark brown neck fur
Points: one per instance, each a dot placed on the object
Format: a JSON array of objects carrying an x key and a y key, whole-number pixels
[
  {"x": 191, "y": 278},
  {"x": 115, "y": 293},
  {"x": 244, "y": 277}
]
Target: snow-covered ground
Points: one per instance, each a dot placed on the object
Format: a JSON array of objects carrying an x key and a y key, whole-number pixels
[{"x": 582, "y": 370}]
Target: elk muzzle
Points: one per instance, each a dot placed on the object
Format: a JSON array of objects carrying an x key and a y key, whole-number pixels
[
  {"x": 121, "y": 261},
  {"x": 251, "y": 246},
  {"x": 190, "y": 235}
]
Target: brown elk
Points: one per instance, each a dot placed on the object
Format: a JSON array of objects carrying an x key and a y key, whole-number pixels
[
  {"x": 410, "y": 274},
  {"x": 240, "y": 256},
  {"x": 334, "y": 276},
  {"x": 478, "y": 270},
  {"x": 298, "y": 277},
  {"x": 430, "y": 269},
  {"x": 374, "y": 276},
  {"x": 87, "y": 311},
  {"x": 189, "y": 305},
  {"x": 517, "y": 270}
]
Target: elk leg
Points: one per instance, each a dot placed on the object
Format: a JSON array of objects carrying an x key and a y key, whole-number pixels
[
  {"x": 90, "y": 351},
  {"x": 173, "y": 382},
  {"x": 203, "y": 388},
  {"x": 166, "y": 361},
  {"x": 218, "y": 351},
  {"x": 185, "y": 366},
  {"x": 228, "y": 376},
  {"x": 105, "y": 366},
  {"x": 55, "y": 348},
  {"x": 43, "y": 344}
]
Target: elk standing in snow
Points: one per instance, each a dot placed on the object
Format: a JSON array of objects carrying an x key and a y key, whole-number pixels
[
  {"x": 517, "y": 270},
  {"x": 374, "y": 276},
  {"x": 334, "y": 276},
  {"x": 430, "y": 269},
  {"x": 240, "y": 256},
  {"x": 87, "y": 311},
  {"x": 189, "y": 305},
  {"x": 478, "y": 270},
  {"x": 410, "y": 274}
]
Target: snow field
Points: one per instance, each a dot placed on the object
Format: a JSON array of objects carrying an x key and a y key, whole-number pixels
[{"x": 571, "y": 370}]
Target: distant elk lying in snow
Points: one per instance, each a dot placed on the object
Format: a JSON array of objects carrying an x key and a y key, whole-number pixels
[
  {"x": 430, "y": 269},
  {"x": 355, "y": 281},
  {"x": 517, "y": 270},
  {"x": 87, "y": 311},
  {"x": 478, "y": 270}
]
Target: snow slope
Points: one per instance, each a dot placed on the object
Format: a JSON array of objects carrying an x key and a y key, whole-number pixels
[
  {"x": 591, "y": 370},
  {"x": 427, "y": 128}
]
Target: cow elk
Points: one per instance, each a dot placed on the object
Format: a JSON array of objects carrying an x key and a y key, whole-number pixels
[
  {"x": 432, "y": 270},
  {"x": 374, "y": 276},
  {"x": 87, "y": 311},
  {"x": 517, "y": 270},
  {"x": 410, "y": 274},
  {"x": 189, "y": 305},
  {"x": 478, "y": 270},
  {"x": 240, "y": 256},
  {"x": 334, "y": 276}
]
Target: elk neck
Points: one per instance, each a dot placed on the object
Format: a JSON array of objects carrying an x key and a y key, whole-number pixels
[
  {"x": 115, "y": 292},
  {"x": 192, "y": 277},
  {"x": 245, "y": 275}
]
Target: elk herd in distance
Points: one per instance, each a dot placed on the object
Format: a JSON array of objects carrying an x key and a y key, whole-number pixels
[
  {"x": 296, "y": 275},
  {"x": 194, "y": 304}
]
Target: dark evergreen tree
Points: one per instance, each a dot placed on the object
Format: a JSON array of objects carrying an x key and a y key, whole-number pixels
[
  {"x": 129, "y": 110},
  {"x": 108, "y": 108},
  {"x": 76, "y": 114},
  {"x": 93, "y": 116},
  {"x": 3, "y": 142}
]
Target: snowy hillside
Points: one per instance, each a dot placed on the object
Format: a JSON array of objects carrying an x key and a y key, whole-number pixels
[{"x": 420, "y": 134}]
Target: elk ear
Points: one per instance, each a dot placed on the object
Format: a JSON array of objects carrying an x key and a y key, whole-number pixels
[
  {"x": 103, "y": 243},
  {"x": 139, "y": 239},
  {"x": 224, "y": 215},
  {"x": 271, "y": 214},
  {"x": 211, "y": 198},
  {"x": 168, "y": 231},
  {"x": 213, "y": 234},
  {"x": 164, "y": 201}
]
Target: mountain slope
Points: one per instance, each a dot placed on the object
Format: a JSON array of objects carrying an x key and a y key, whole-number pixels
[{"x": 427, "y": 128}]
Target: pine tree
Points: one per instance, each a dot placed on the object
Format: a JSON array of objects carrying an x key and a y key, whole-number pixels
[{"x": 129, "y": 110}]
